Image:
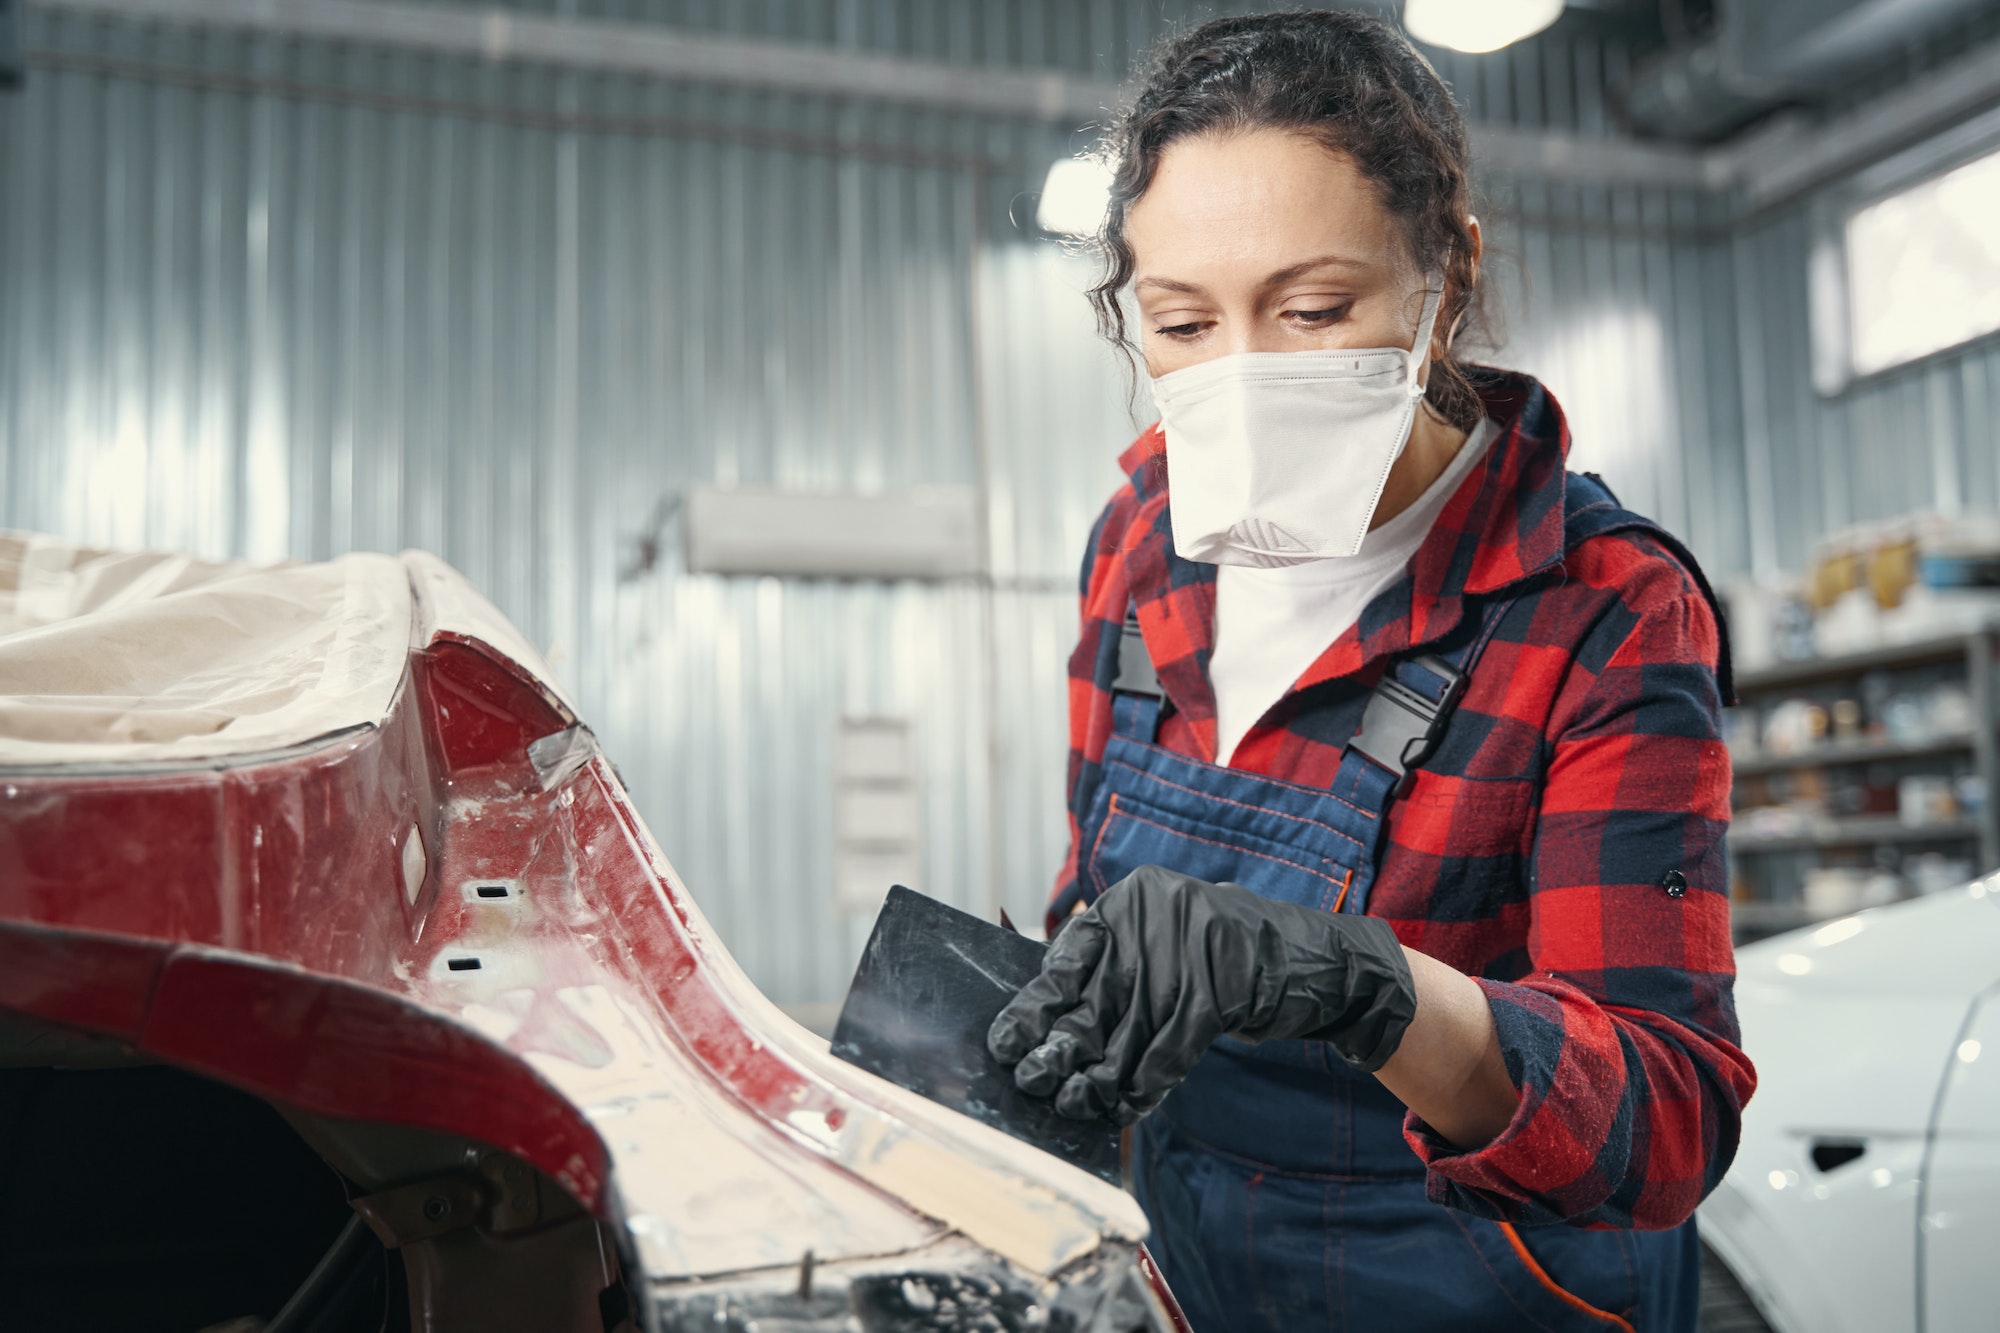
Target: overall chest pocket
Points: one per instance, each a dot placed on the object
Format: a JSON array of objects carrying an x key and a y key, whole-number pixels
[{"x": 1226, "y": 832}]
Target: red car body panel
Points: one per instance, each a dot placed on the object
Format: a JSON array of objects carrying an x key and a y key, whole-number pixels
[{"x": 453, "y": 920}]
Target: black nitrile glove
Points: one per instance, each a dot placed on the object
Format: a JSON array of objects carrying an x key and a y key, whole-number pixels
[{"x": 1134, "y": 991}]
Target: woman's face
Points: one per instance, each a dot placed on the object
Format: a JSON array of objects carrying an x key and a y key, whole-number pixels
[{"x": 1266, "y": 241}]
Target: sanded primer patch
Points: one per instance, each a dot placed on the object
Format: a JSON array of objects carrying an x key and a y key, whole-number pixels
[
  {"x": 1032, "y": 1225},
  {"x": 704, "y": 1187},
  {"x": 1033, "y": 1209}
]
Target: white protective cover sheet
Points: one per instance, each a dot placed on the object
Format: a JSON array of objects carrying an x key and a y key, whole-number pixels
[{"x": 125, "y": 657}]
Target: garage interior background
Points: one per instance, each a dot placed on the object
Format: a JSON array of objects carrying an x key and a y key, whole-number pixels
[{"x": 505, "y": 284}]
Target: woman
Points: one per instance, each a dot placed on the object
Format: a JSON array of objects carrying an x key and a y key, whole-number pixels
[{"x": 1397, "y": 791}]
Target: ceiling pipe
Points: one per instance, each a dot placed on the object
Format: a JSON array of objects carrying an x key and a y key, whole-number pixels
[
  {"x": 1767, "y": 167},
  {"x": 1762, "y": 54}
]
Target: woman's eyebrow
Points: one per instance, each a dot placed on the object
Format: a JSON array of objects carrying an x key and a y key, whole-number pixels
[
  {"x": 1170, "y": 285},
  {"x": 1300, "y": 269},
  {"x": 1283, "y": 275}
]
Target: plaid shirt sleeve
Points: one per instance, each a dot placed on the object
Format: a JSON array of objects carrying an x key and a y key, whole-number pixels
[
  {"x": 1622, "y": 1037},
  {"x": 1099, "y": 563}
]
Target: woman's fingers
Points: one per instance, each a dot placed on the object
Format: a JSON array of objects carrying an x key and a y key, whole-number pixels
[
  {"x": 1092, "y": 1087},
  {"x": 1078, "y": 1038},
  {"x": 1080, "y": 1098},
  {"x": 1164, "y": 1031},
  {"x": 1177, "y": 1044},
  {"x": 1086, "y": 1027},
  {"x": 1128, "y": 1017},
  {"x": 1043, "y": 1069},
  {"x": 1056, "y": 990}
]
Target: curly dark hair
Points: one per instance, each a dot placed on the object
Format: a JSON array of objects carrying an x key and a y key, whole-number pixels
[{"x": 1347, "y": 80}]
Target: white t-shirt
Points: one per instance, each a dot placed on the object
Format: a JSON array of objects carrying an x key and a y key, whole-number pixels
[{"x": 1271, "y": 624}]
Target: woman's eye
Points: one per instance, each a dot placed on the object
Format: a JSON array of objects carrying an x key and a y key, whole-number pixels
[
  {"x": 1318, "y": 319},
  {"x": 1180, "y": 330}
]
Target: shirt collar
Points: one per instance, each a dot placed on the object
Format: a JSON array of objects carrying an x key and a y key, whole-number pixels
[{"x": 1502, "y": 526}]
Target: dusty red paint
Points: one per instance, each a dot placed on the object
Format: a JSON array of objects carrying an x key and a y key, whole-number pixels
[
  {"x": 1155, "y": 1280},
  {"x": 250, "y": 921},
  {"x": 479, "y": 716},
  {"x": 256, "y": 920}
]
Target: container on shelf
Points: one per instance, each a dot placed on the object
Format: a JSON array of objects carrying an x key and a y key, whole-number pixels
[
  {"x": 1926, "y": 799},
  {"x": 1861, "y": 779}
]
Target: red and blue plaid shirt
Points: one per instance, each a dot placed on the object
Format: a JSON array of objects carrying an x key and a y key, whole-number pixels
[{"x": 1541, "y": 850}]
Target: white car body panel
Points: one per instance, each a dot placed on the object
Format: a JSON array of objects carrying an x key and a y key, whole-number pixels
[
  {"x": 1961, "y": 1205},
  {"x": 1853, "y": 1026}
]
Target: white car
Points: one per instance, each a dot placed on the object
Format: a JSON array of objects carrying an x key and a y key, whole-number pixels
[{"x": 1866, "y": 1194}]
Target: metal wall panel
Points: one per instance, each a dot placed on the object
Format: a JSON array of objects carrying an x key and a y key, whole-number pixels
[
  {"x": 285, "y": 299},
  {"x": 1619, "y": 299},
  {"x": 1925, "y": 436},
  {"x": 1557, "y": 81}
]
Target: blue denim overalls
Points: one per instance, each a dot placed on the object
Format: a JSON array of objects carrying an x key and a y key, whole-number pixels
[{"x": 1281, "y": 1191}]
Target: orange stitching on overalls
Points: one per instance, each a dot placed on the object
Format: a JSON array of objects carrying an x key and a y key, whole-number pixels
[
  {"x": 1359, "y": 810},
  {"x": 1378, "y": 816},
  {"x": 1342, "y": 897},
  {"x": 1494, "y": 1273},
  {"x": 1097, "y": 843},
  {"x": 1567, "y": 1297},
  {"x": 1244, "y": 851},
  {"x": 1245, "y": 805}
]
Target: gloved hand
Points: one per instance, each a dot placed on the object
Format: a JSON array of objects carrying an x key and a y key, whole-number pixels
[{"x": 1134, "y": 990}]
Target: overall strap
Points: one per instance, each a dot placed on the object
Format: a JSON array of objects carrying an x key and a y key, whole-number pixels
[
  {"x": 1413, "y": 702},
  {"x": 1401, "y": 726},
  {"x": 1135, "y": 690},
  {"x": 1590, "y": 510}
]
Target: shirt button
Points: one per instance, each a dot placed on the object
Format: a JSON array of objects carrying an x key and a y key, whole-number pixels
[{"x": 1675, "y": 883}]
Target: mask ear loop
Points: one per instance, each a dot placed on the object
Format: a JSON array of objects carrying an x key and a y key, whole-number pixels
[{"x": 1420, "y": 351}]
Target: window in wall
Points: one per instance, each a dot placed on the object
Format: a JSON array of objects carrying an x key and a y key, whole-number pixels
[{"x": 1923, "y": 268}]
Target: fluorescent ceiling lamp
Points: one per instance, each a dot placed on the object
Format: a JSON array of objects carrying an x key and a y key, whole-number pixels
[
  {"x": 1074, "y": 197},
  {"x": 1478, "y": 25}
]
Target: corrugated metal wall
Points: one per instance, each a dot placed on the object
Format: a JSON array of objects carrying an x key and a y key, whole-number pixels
[
  {"x": 274, "y": 298},
  {"x": 1619, "y": 298},
  {"x": 1920, "y": 437}
]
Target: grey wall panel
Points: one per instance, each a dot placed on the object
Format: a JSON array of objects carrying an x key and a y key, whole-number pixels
[
  {"x": 1920, "y": 437},
  {"x": 1619, "y": 300},
  {"x": 286, "y": 299}
]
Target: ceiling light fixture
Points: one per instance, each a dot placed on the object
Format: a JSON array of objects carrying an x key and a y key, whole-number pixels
[{"x": 1478, "y": 25}]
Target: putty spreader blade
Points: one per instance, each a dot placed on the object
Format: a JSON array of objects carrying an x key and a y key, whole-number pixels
[{"x": 929, "y": 984}]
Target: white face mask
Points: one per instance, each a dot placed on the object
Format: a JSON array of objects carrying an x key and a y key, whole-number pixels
[{"x": 1276, "y": 458}]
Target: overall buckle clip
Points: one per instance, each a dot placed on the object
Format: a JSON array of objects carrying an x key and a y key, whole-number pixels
[
  {"x": 1401, "y": 727},
  {"x": 1135, "y": 665}
]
